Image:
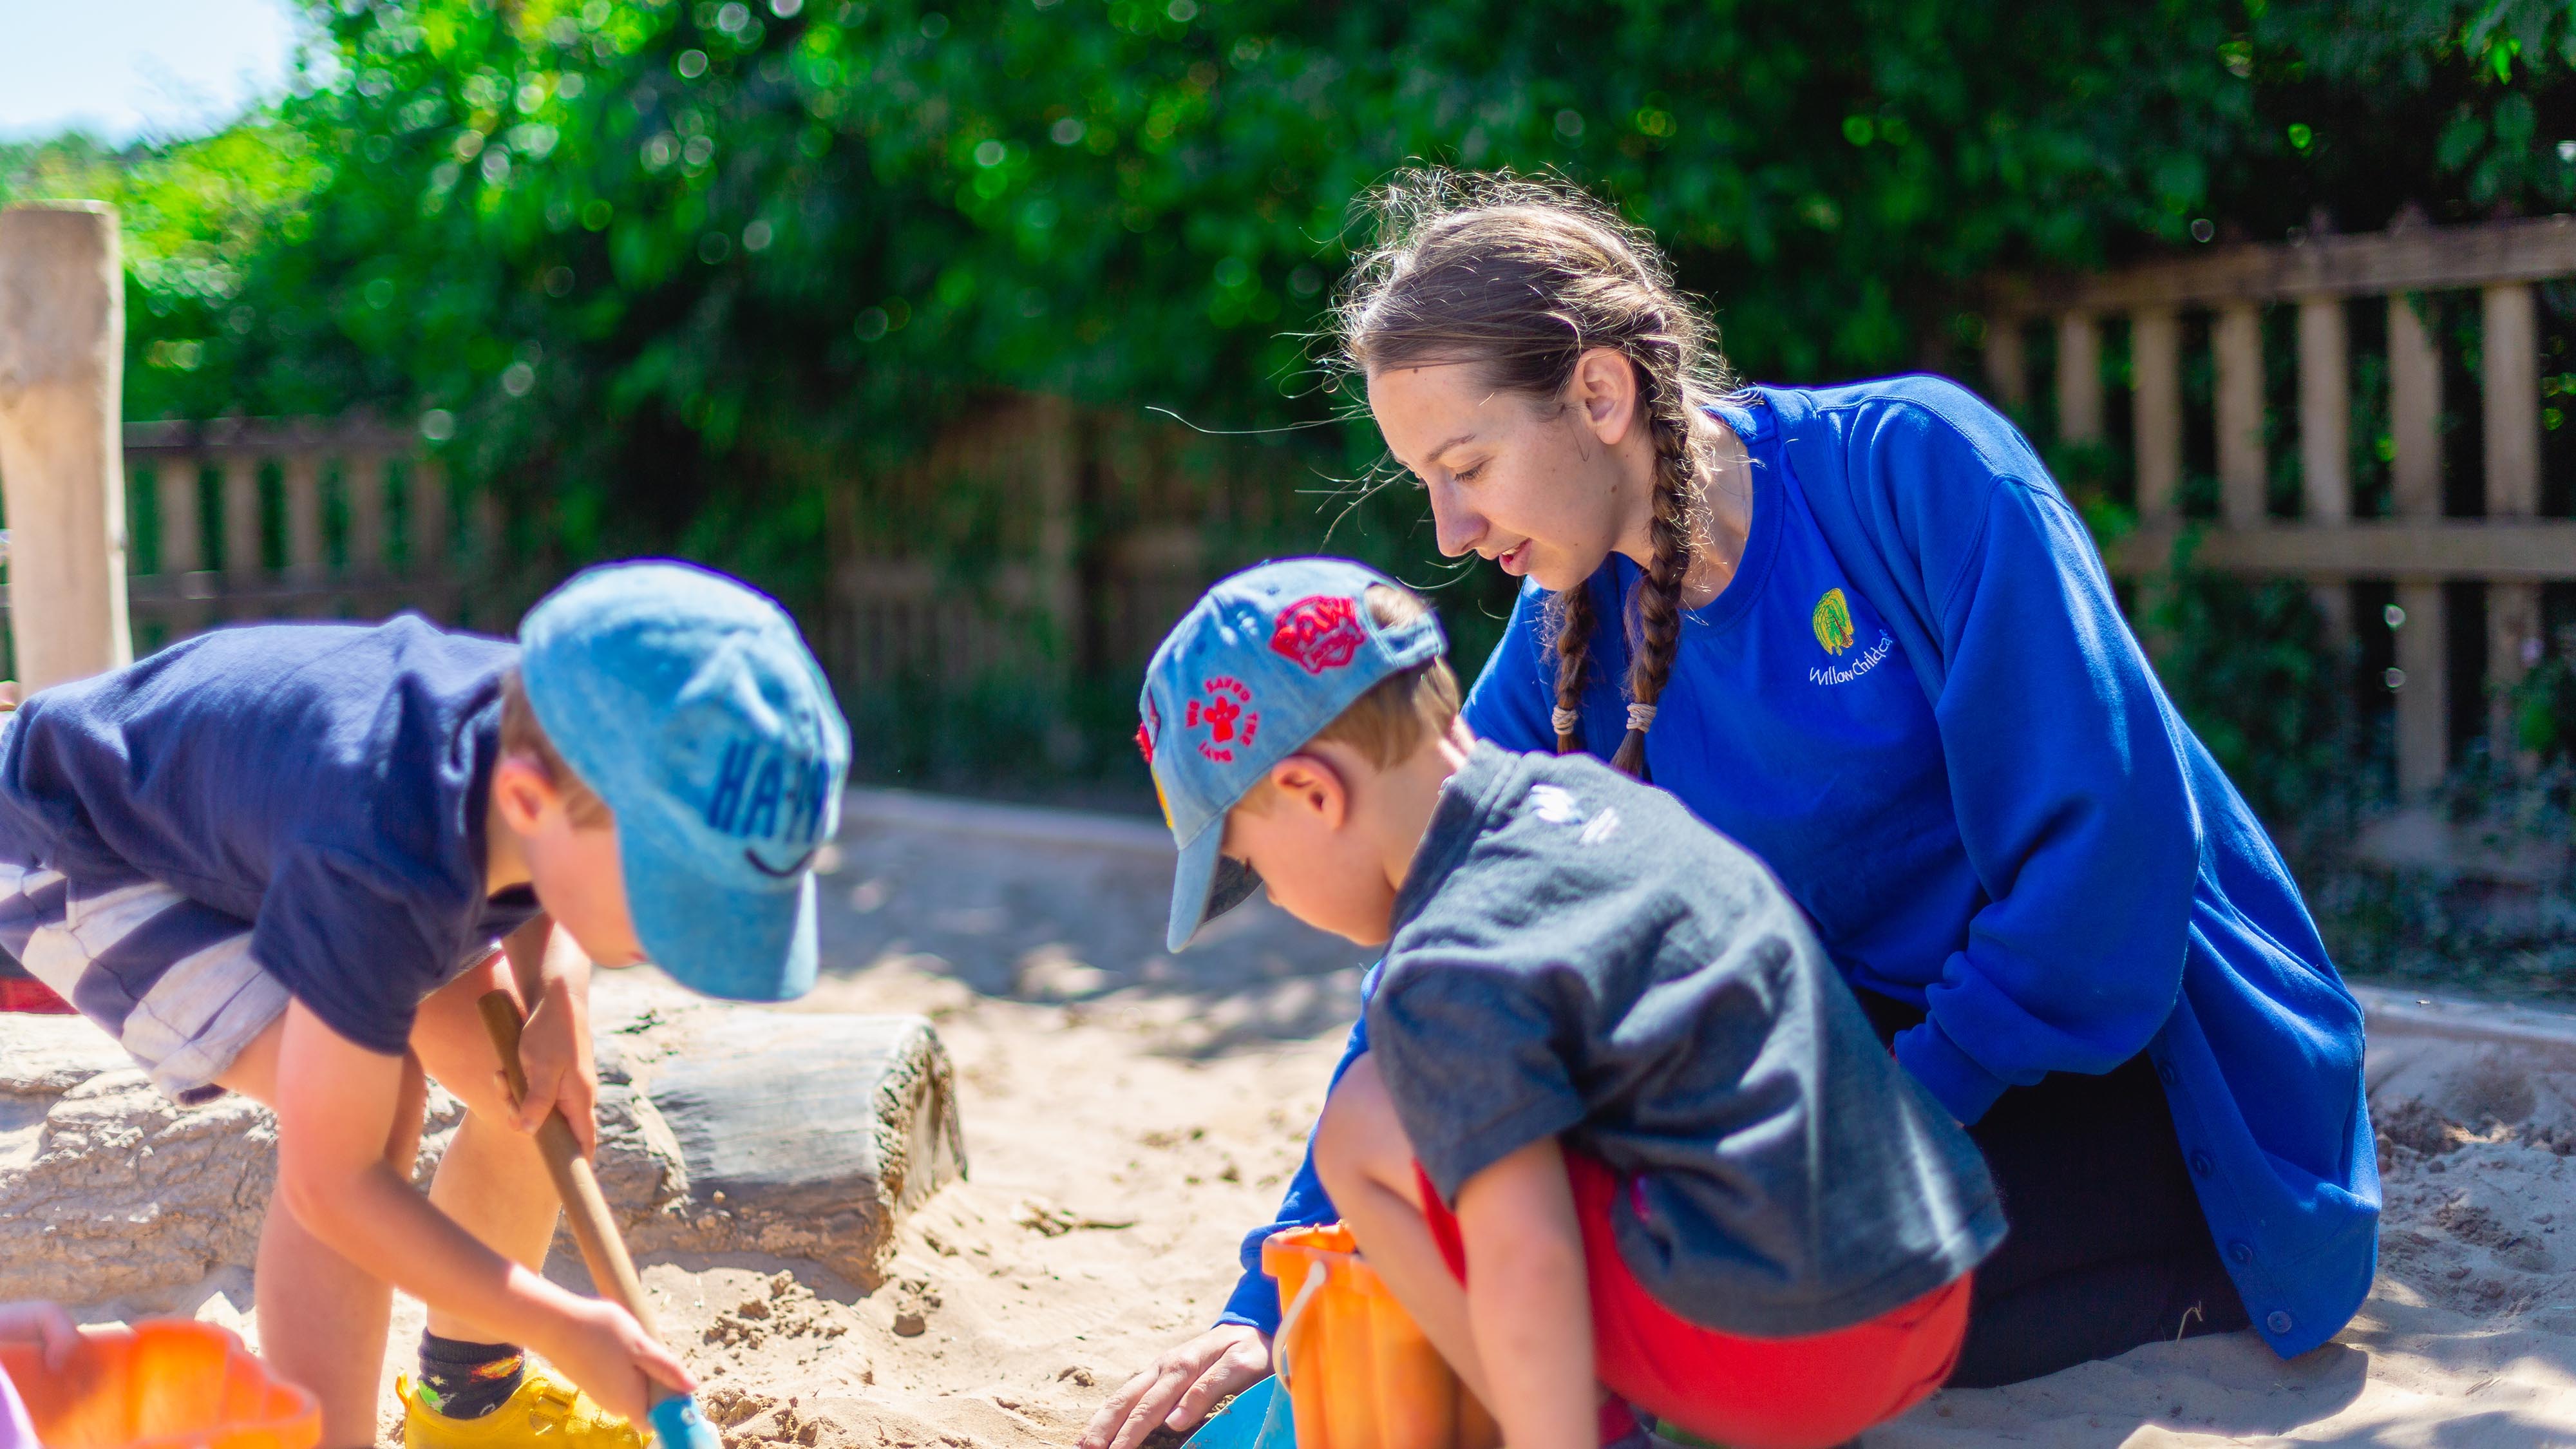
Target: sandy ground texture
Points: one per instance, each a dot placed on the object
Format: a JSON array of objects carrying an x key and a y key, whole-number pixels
[{"x": 1128, "y": 1114}]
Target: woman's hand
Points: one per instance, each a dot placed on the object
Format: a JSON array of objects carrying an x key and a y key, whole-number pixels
[
  {"x": 601, "y": 1347},
  {"x": 43, "y": 1323},
  {"x": 1177, "y": 1391}
]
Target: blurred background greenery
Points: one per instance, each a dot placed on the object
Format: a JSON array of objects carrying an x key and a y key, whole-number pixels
[{"x": 676, "y": 275}]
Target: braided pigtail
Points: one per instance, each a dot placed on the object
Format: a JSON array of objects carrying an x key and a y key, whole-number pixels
[
  {"x": 1573, "y": 619},
  {"x": 1659, "y": 593}
]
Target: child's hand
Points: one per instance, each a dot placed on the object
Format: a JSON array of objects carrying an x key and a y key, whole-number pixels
[
  {"x": 44, "y": 1323},
  {"x": 601, "y": 1347},
  {"x": 554, "y": 1050}
]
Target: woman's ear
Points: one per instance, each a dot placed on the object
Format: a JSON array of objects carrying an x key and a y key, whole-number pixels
[{"x": 1604, "y": 388}]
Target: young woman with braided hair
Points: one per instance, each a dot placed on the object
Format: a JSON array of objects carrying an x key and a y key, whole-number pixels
[{"x": 1860, "y": 630}]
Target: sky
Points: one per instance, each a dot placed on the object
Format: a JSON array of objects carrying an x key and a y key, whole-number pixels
[{"x": 121, "y": 69}]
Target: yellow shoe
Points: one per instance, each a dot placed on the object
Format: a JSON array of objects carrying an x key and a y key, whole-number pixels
[{"x": 545, "y": 1411}]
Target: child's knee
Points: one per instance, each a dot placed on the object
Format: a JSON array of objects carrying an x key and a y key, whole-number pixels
[{"x": 1359, "y": 1138}]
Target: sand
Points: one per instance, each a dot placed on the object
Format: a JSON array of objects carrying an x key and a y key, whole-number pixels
[{"x": 1128, "y": 1115}]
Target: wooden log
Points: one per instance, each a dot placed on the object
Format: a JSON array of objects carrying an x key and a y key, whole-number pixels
[
  {"x": 2236, "y": 341},
  {"x": 2155, "y": 358},
  {"x": 2079, "y": 378},
  {"x": 722, "y": 1130},
  {"x": 2423, "y": 695},
  {"x": 62, "y": 380},
  {"x": 2007, "y": 365}
]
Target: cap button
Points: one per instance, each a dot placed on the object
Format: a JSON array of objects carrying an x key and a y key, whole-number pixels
[
  {"x": 2165, "y": 1071},
  {"x": 2279, "y": 1322},
  {"x": 2201, "y": 1165},
  {"x": 2241, "y": 1253}
]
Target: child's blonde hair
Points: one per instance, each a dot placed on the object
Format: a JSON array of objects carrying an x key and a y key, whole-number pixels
[
  {"x": 522, "y": 735},
  {"x": 1401, "y": 712}
]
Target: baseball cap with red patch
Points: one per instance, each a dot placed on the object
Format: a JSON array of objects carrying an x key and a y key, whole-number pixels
[{"x": 1257, "y": 667}]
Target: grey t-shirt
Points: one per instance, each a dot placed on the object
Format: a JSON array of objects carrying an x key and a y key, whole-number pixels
[{"x": 1575, "y": 954}]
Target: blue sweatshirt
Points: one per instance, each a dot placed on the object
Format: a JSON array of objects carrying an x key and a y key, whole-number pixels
[{"x": 1919, "y": 703}]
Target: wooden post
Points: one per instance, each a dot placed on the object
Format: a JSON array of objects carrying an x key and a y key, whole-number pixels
[
  {"x": 62, "y": 383},
  {"x": 2325, "y": 455},
  {"x": 2079, "y": 378},
  {"x": 2007, "y": 369},
  {"x": 365, "y": 473},
  {"x": 2155, "y": 359},
  {"x": 2423, "y": 655},
  {"x": 2236, "y": 339},
  {"x": 1057, "y": 456},
  {"x": 301, "y": 473},
  {"x": 433, "y": 519},
  {"x": 2510, "y": 390},
  {"x": 241, "y": 519}
]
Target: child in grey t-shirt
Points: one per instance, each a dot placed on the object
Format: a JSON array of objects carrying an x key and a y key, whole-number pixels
[{"x": 1620, "y": 1123}]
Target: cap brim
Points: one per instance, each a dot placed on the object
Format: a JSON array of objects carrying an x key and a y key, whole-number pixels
[
  {"x": 739, "y": 945},
  {"x": 1205, "y": 885}
]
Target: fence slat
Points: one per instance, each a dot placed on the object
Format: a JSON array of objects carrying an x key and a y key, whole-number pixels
[
  {"x": 2155, "y": 358},
  {"x": 2007, "y": 366},
  {"x": 241, "y": 517},
  {"x": 2236, "y": 339},
  {"x": 2423, "y": 698},
  {"x": 432, "y": 517},
  {"x": 302, "y": 475},
  {"x": 2079, "y": 378},
  {"x": 2325, "y": 453},
  {"x": 365, "y": 475},
  {"x": 183, "y": 528},
  {"x": 2415, "y": 408},
  {"x": 2509, "y": 387}
]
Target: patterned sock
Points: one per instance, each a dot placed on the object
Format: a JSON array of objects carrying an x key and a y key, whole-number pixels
[{"x": 467, "y": 1380}]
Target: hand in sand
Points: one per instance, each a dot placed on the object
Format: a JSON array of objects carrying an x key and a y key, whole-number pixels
[
  {"x": 1178, "y": 1390},
  {"x": 43, "y": 1323},
  {"x": 601, "y": 1347}
]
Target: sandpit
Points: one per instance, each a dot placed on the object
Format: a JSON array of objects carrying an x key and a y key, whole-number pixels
[{"x": 1129, "y": 1114}]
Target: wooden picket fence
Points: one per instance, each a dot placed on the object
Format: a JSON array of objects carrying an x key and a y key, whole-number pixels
[
  {"x": 2433, "y": 537},
  {"x": 253, "y": 519}
]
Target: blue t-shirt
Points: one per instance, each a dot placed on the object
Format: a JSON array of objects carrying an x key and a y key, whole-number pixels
[
  {"x": 1791, "y": 722},
  {"x": 324, "y": 783}
]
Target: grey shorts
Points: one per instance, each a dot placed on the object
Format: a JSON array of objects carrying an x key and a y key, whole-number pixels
[{"x": 172, "y": 980}]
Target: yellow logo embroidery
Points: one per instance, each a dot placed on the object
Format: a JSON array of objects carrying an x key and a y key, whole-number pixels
[{"x": 1833, "y": 622}]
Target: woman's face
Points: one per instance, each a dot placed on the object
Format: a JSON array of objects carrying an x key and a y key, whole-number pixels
[{"x": 1538, "y": 485}]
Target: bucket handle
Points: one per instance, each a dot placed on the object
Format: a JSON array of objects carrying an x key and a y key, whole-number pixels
[{"x": 1315, "y": 1275}]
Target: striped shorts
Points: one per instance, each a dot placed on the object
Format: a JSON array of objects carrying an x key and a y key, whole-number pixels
[{"x": 172, "y": 980}]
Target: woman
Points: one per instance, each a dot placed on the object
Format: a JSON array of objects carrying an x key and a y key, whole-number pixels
[{"x": 1861, "y": 631}]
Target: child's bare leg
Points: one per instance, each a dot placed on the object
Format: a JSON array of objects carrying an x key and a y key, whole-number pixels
[
  {"x": 493, "y": 1180},
  {"x": 1366, "y": 1161},
  {"x": 322, "y": 1318}
]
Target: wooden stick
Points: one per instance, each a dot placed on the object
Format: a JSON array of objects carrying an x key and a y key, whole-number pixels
[{"x": 602, "y": 1249}]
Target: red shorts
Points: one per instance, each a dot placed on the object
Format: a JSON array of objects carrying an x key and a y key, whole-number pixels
[{"x": 1748, "y": 1393}]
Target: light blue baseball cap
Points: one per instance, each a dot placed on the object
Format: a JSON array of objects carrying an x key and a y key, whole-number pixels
[
  {"x": 1257, "y": 667},
  {"x": 690, "y": 704}
]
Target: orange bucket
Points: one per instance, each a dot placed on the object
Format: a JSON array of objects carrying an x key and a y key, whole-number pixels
[
  {"x": 1358, "y": 1372},
  {"x": 162, "y": 1384}
]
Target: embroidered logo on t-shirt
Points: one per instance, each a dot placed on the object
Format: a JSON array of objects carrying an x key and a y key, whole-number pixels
[
  {"x": 1319, "y": 633},
  {"x": 1833, "y": 622},
  {"x": 1857, "y": 667},
  {"x": 1557, "y": 806},
  {"x": 1222, "y": 714}
]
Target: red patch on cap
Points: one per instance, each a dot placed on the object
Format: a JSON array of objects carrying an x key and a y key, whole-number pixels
[
  {"x": 1320, "y": 633},
  {"x": 1222, "y": 712},
  {"x": 1146, "y": 731}
]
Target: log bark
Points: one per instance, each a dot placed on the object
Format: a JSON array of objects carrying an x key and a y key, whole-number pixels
[{"x": 803, "y": 1136}]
